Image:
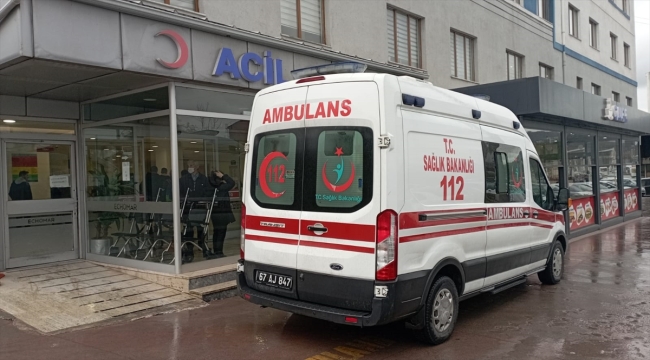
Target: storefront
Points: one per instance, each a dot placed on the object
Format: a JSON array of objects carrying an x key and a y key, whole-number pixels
[
  {"x": 109, "y": 113},
  {"x": 586, "y": 143}
]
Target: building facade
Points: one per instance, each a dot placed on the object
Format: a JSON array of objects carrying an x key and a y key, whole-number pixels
[{"x": 110, "y": 108}]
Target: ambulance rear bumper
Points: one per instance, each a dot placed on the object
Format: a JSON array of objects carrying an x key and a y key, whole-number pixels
[{"x": 382, "y": 308}]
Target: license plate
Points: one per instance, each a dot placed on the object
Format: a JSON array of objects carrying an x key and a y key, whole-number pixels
[{"x": 269, "y": 279}]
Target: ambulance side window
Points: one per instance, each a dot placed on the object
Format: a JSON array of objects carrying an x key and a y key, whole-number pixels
[
  {"x": 505, "y": 179},
  {"x": 277, "y": 169},
  {"x": 541, "y": 189}
]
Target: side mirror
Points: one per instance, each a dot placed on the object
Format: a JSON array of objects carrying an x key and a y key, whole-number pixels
[{"x": 562, "y": 202}]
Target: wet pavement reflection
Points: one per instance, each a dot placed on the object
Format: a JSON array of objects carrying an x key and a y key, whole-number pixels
[{"x": 601, "y": 310}]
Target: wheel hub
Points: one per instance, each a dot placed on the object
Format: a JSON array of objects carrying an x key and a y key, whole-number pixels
[{"x": 443, "y": 310}]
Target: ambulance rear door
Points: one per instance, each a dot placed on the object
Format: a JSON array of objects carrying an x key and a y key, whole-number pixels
[
  {"x": 336, "y": 254},
  {"x": 274, "y": 184}
]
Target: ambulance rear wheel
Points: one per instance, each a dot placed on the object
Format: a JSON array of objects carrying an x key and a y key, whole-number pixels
[
  {"x": 554, "y": 267},
  {"x": 441, "y": 312}
]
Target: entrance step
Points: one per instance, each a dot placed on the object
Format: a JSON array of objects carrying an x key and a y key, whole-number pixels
[
  {"x": 216, "y": 291},
  {"x": 217, "y": 282}
]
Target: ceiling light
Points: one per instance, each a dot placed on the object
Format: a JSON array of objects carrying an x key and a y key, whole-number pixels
[
  {"x": 106, "y": 149},
  {"x": 154, "y": 146},
  {"x": 118, "y": 155},
  {"x": 92, "y": 138},
  {"x": 8, "y": 121},
  {"x": 191, "y": 142},
  {"x": 150, "y": 149},
  {"x": 149, "y": 99},
  {"x": 196, "y": 151}
]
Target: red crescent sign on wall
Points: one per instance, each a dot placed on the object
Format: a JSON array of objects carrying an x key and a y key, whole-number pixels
[{"x": 181, "y": 47}]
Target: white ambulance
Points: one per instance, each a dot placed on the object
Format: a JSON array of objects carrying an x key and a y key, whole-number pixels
[{"x": 372, "y": 198}]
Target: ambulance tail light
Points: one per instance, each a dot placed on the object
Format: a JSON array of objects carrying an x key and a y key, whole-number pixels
[
  {"x": 242, "y": 236},
  {"x": 386, "y": 246}
]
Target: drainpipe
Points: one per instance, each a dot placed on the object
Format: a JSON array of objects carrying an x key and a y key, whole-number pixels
[
  {"x": 5, "y": 10},
  {"x": 563, "y": 42}
]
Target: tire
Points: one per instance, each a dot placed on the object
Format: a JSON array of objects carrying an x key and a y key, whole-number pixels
[
  {"x": 435, "y": 331},
  {"x": 554, "y": 266}
]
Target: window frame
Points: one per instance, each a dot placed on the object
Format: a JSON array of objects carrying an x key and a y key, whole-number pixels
[
  {"x": 490, "y": 156},
  {"x": 408, "y": 41},
  {"x": 548, "y": 69},
  {"x": 574, "y": 21},
  {"x": 299, "y": 23},
  {"x": 616, "y": 96},
  {"x": 595, "y": 86},
  {"x": 196, "y": 4},
  {"x": 625, "y": 5},
  {"x": 472, "y": 48},
  {"x": 579, "y": 83},
  {"x": 544, "y": 9},
  {"x": 519, "y": 64},
  {"x": 626, "y": 55},
  {"x": 613, "y": 42},
  {"x": 593, "y": 33},
  {"x": 629, "y": 101}
]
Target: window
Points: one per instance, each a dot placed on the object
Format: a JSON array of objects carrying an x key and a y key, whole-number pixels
[
  {"x": 514, "y": 63},
  {"x": 628, "y": 101},
  {"x": 340, "y": 159},
  {"x": 403, "y": 38},
  {"x": 593, "y": 34},
  {"x": 320, "y": 169},
  {"x": 595, "y": 89},
  {"x": 462, "y": 56},
  {"x": 545, "y": 71},
  {"x": 626, "y": 54},
  {"x": 504, "y": 173},
  {"x": 616, "y": 96},
  {"x": 185, "y": 4},
  {"x": 579, "y": 83},
  {"x": 626, "y": 6},
  {"x": 544, "y": 9},
  {"x": 613, "y": 40},
  {"x": 277, "y": 167},
  {"x": 573, "y": 21},
  {"x": 303, "y": 19},
  {"x": 542, "y": 193}
]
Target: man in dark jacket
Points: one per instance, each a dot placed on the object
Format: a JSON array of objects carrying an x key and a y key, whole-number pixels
[
  {"x": 20, "y": 189},
  {"x": 197, "y": 188},
  {"x": 222, "y": 211}
]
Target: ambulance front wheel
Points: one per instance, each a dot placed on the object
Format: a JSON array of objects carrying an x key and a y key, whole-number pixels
[
  {"x": 441, "y": 312},
  {"x": 554, "y": 266}
]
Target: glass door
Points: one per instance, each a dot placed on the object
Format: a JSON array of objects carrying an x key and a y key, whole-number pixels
[{"x": 41, "y": 203}]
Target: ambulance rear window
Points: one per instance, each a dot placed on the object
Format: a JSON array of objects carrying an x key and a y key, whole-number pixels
[
  {"x": 277, "y": 169},
  {"x": 338, "y": 168}
]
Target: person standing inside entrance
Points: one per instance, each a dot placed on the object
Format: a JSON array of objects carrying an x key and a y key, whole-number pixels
[
  {"x": 221, "y": 212},
  {"x": 196, "y": 186},
  {"x": 20, "y": 188}
]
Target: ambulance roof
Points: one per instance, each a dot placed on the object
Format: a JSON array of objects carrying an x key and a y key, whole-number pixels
[{"x": 437, "y": 100}]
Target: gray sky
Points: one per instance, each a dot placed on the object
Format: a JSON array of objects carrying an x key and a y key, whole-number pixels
[{"x": 642, "y": 30}]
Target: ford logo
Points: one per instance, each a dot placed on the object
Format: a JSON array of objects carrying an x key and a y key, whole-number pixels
[{"x": 336, "y": 267}]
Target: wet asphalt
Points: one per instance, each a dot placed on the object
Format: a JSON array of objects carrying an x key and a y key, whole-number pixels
[{"x": 600, "y": 310}]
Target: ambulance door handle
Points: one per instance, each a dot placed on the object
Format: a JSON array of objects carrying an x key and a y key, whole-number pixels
[{"x": 317, "y": 228}]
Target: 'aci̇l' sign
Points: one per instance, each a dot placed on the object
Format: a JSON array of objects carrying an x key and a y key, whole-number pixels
[{"x": 264, "y": 68}]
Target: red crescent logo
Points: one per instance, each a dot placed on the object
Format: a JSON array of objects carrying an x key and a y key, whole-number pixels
[
  {"x": 339, "y": 188},
  {"x": 262, "y": 174},
  {"x": 181, "y": 46}
]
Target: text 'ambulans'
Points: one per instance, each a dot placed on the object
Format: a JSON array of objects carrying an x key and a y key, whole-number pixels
[{"x": 321, "y": 110}]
